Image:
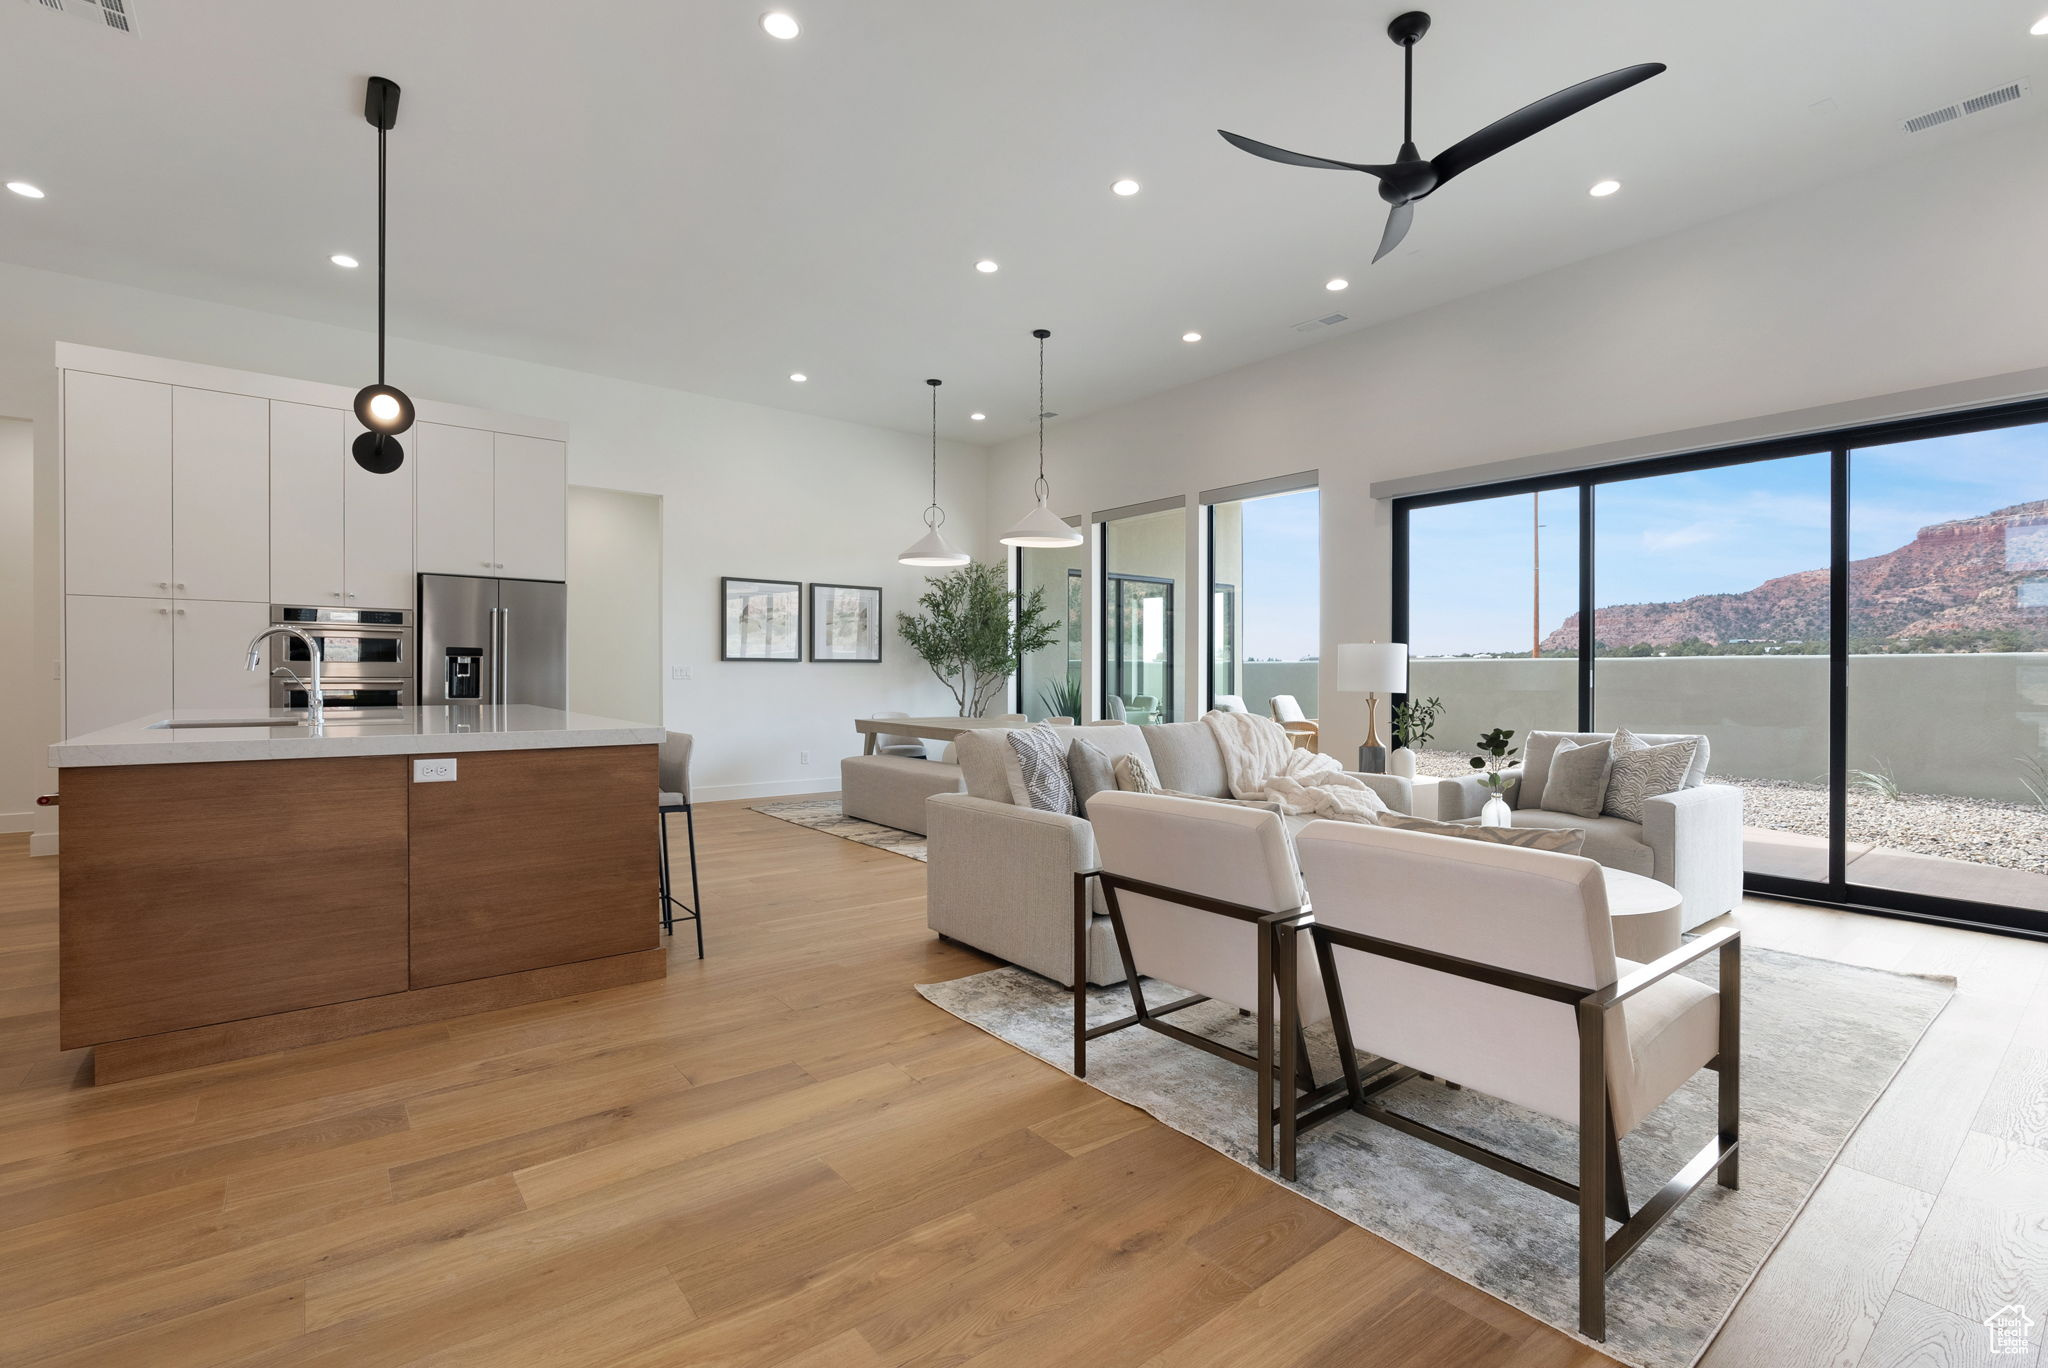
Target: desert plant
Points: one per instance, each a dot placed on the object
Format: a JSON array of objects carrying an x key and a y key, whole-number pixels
[
  {"x": 1062, "y": 699},
  {"x": 974, "y": 631},
  {"x": 1415, "y": 722},
  {"x": 1878, "y": 781},
  {"x": 2033, "y": 778},
  {"x": 1494, "y": 755}
]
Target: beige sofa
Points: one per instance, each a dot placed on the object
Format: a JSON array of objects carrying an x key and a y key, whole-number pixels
[
  {"x": 1001, "y": 873},
  {"x": 891, "y": 789},
  {"x": 1691, "y": 839}
]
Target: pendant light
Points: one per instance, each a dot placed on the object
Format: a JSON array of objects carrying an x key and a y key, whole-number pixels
[
  {"x": 933, "y": 548},
  {"x": 381, "y": 408},
  {"x": 1042, "y": 527}
]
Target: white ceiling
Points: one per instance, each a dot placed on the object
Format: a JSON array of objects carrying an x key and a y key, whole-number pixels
[{"x": 654, "y": 189}]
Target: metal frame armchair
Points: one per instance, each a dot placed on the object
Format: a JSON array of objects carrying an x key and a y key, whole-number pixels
[{"x": 1493, "y": 967}]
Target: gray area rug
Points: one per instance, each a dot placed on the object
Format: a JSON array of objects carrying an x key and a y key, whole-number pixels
[
  {"x": 823, "y": 814},
  {"x": 1822, "y": 1041}
]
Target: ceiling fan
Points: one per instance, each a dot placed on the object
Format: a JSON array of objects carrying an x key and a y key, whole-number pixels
[{"x": 1411, "y": 176}]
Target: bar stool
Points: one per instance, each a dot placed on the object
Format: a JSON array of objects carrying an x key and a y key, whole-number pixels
[{"x": 675, "y": 797}]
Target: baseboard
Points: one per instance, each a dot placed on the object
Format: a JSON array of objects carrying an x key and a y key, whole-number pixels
[
  {"x": 787, "y": 788},
  {"x": 43, "y": 843},
  {"x": 12, "y": 822}
]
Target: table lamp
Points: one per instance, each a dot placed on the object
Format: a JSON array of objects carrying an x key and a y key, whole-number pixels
[{"x": 1372, "y": 668}]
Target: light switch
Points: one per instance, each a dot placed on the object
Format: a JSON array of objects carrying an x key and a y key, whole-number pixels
[
  {"x": 678, "y": 673},
  {"x": 439, "y": 770}
]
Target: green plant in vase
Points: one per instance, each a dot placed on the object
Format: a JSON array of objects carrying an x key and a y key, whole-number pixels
[
  {"x": 1414, "y": 726},
  {"x": 1062, "y": 699},
  {"x": 1494, "y": 758}
]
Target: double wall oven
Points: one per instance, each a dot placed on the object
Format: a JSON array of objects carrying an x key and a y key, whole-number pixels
[{"x": 366, "y": 657}]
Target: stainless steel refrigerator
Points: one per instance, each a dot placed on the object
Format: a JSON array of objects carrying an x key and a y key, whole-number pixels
[{"x": 497, "y": 641}]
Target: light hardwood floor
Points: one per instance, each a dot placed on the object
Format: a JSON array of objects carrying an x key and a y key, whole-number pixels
[{"x": 783, "y": 1156}]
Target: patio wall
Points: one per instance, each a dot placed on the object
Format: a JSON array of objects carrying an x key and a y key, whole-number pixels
[{"x": 1943, "y": 724}]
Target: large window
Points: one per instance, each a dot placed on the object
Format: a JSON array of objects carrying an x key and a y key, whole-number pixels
[
  {"x": 1144, "y": 559},
  {"x": 1049, "y": 682},
  {"x": 1858, "y": 623},
  {"x": 1265, "y": 599}
]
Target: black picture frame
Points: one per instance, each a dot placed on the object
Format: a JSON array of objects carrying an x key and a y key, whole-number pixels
[
  {"x": 736, "y": 609},
  {"x": 824, "y": 619}
]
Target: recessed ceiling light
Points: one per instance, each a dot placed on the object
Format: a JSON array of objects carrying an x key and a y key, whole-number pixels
[
  {"x": 2040, "y": 28},
  {"x": 986, "y": 267},
  {"x": 1190, "y": 337},
  {"x": 344, "y": 259},
  {"x": 1126, "y": 186},
  {"x": 1602, "y": 189},
  {"x": 977, "y": 417},
  {"x": 779, "y": 25},
  {"x": 1340, "y": 283},
  {"x": 799, "y": 377},
  {"x": 24, "y": 189}
]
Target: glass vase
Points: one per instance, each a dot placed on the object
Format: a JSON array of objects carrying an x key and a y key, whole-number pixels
[{"x": 1496, "y": 813}]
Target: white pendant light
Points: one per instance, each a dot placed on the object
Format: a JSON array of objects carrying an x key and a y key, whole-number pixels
[
  {"x": 933, "y": 548},
  {"x": 1042, "y": 528}
]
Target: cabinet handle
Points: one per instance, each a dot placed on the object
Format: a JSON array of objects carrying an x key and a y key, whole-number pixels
[
  {"x": 181, "y": 612},
  {"x": 335, "y": 594},
  {"x": 351, "y": 595},
  {"x": 497, "y": 565},
  {"x": 163, "y": 612},
  {"x": 181, "y": 584},
  {"x": 163, "y": 584}
]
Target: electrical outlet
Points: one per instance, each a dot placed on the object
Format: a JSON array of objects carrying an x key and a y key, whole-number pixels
[
  {"x": 439, "y": 770},
  {"x": 803, "y": 757}
]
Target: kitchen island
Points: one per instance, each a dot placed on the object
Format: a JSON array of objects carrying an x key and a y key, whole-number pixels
[{"x": 232, "y": 883}]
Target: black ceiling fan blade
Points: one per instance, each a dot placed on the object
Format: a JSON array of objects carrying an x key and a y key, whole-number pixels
[
  {"x": 1398, "y": 219},
  {"x": 1281, "y": 154},
  {"x": 1530, "y": 120}
]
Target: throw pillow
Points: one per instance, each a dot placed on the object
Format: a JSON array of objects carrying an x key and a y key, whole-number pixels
[
  {"x": 1577, "y": 781},
  {"x": 1133, "y": 775},
  {"x": 1563, "y": 840},
  {"x": 1091, "y": 772},
  {"x": 1042, "y": 759},
  {"x": 1645, "y": 772}
]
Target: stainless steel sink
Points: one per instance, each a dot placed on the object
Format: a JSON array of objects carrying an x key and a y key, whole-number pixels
[{"x": 181, "y": 723}]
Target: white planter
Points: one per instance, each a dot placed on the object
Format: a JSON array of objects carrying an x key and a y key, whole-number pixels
[
  {"x": 1496, "y": 813},
  {"x": 1402, "y": 763}
]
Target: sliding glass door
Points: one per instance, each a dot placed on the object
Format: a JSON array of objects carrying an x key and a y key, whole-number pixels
[
  {"x": 1049, "y": 680},
  {"x": 1144, "y": 558},
  {"x": 1857, "y": 623}
]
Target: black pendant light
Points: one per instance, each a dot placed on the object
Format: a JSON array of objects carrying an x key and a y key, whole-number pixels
[{"x": 381, "y": 408}]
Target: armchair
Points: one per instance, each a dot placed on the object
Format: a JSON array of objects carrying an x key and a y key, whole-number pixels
[{"x": 1493, "y": 967}]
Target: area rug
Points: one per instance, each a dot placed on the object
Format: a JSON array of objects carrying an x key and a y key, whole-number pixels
[
  {"x": 1821, "y": 1042},
  {"x": 823, "y": 814}
]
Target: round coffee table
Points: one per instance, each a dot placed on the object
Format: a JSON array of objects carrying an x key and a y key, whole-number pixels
[{"x": 1645, "y": 915}]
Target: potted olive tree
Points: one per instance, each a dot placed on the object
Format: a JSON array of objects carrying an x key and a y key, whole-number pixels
[{"x": 974, "y": 633}]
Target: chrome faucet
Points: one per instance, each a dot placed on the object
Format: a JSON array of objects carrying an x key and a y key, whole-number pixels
[{"x": 316, "y": 702}]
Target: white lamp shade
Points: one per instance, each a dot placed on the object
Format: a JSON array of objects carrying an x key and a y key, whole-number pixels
[
  {"x": 933, "y": 549},
  {"x": 1042, "y": 528},
  {"x": 1373, "y": 667}
]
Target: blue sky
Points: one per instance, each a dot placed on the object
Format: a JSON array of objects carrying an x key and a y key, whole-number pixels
[
  {"x": 1714, "y": 531},
  {"x": 1282, "y": 554}
]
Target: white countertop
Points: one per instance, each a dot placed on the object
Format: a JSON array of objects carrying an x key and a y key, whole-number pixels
[{"x": 440, "y": 730}]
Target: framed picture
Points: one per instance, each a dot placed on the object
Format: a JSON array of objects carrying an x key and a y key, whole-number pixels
[
  {"x": 846, "y": 623},
  {"x": 763, "y": 619}
]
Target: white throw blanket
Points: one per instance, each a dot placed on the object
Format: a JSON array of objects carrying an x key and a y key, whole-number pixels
[{"x": 1262, "y": 762}]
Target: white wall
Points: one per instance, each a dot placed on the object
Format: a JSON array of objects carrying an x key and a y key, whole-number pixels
[
  {"x": 21, "y": 765},
  {"x": 748, "y": 491},
  {"x": 1928, "y": 272},
  {"x": 615, "y": 665}
]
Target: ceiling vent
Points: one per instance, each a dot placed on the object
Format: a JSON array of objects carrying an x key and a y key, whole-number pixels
[
  {"x": 1962, "y": 109},
  {"x": 1326, "y": 321},
  {"x": 113, "y": 14}
]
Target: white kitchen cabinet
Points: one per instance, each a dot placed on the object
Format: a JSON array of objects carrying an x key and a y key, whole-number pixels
[
  {"x": 117, "y": 654},
  {"x": 117, "y": 486},
  {"x": 306, "y": 541},
  {"x": 210, "y": 645},
  {"x": 532, "y": 507},
  {"x": 377, "y": 529},
  {"x": 220, "y": 495},
  {"x": 457, "y": 500}
]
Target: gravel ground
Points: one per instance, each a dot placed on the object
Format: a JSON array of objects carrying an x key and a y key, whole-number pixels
[{"x": 2011, "y": 835}]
